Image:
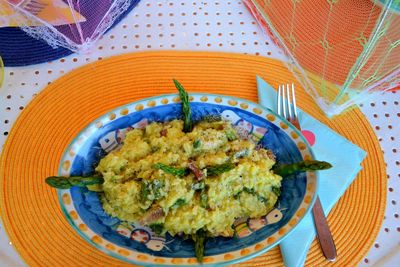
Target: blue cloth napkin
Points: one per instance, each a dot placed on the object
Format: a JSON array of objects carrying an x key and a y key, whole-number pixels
[{"x": 329, "y": 146}]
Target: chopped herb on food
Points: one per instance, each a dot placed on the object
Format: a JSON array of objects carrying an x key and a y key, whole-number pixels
[
  {"x": 178, "y": 203},
  {"x": 250, "y": 191},
  {"x": 241, "y": 153},
  {"x": 198, "y": 186},
  {"x": 219, "y": 169},
  {"x": 180, "y": 172},
  {"x": 204, "y": 199},
  {"x": 276, "y": 190},
  {"x": 196, "y": 144},
  {"x": 231, "y": 134},
  {"x": 151, "y": 190}
]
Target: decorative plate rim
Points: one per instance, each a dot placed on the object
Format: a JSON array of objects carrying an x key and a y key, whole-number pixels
[{"x": 223, "y": 100}]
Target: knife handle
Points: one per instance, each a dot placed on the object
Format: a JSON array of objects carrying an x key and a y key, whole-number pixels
[{"x": 323, "y": 233}]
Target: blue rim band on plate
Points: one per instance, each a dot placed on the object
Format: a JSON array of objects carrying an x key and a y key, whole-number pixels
[{"x": 19, "y": 49}]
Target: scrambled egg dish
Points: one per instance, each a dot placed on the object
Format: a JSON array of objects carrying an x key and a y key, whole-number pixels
[{"x": 183, "y": 182}]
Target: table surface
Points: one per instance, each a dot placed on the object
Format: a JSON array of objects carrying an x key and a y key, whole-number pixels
[{"x": 206, "y": 25}]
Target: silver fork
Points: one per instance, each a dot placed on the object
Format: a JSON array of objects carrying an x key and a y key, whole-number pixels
[{"x": 287, "y": 108}]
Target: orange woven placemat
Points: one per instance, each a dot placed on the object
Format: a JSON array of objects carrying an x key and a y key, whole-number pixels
[{"x": 30, "y": 209}]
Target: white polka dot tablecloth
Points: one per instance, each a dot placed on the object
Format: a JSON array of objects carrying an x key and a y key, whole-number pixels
[{"x": 224, "y": 26}]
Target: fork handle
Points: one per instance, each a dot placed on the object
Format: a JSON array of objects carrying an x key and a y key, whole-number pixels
[
  {"x": 323, "y": 233},
  {"x": 295, "y": 124}
]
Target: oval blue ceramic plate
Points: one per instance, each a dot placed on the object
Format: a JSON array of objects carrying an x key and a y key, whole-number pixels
[{"x": 138, "y": 244}]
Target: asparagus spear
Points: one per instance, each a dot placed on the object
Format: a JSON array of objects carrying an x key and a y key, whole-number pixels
[
  {"x": 178, "y": 203},
  {"x": 187, "y": 112},
  {"x": 199, "y": 239},
  {"x": 157, "y": 228},
  {"x": 302, "y": 166},
  {"x": 180, "y": 172},
  {"x": 218, "y": 169},
  {"x": 68, "y": 182}
]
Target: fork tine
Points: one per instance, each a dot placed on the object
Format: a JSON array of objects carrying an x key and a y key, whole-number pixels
[
  {"x": 294, "y": 102},
  {"x": 289, "y": 106},
  {"x": 287, "y": 102},
  {"x": 283, "y": 101},
  {"x": 279, "y": 101}
]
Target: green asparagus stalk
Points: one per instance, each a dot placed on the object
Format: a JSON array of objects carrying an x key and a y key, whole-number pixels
[
  {"x": 199, "y": 239},
  {"x": 302, "y": 166},
  {"x": 178, "y": 203},
  {"x": 180, "y": 172},
  {"x": 219, "y": 169},
  {"x": 157, "y": 228},
  {"x": 68, "y": 182},
  {"x": 187, "y": 112}
]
